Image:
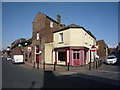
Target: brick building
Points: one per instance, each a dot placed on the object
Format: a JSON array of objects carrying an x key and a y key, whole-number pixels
[
  {"x": 15, "y": 49},
  {"x": 43, "y": 28},
  {"x": 19, "y": 47},
  {"x": 27, "y": 54},
  {"x": 102, "y": 51}
]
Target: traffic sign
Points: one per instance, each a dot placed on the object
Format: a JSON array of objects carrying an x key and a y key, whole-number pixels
[
  {"x": 29, "y": 49},
  {"x": 93, "y": 49}
]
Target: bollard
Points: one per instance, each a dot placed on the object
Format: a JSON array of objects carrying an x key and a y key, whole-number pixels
[
  {"x": 54, "y": 66},
  {"x": 34, "y": 65},
  {"x": 37, "y": 65},
  {"x": 96, "y": 64},
  {"x": 44, "y": 65},
  {"x": 99, "y": 63},
  {"x": 68, "y": 66}
]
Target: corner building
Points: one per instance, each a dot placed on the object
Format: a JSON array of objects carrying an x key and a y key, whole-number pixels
[{"x": 72, "y": 45}]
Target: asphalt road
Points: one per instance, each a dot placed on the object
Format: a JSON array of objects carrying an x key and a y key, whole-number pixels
[{"x": 15, "y": 76}]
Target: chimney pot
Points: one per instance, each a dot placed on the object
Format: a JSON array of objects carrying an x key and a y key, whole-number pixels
[{"x": 59, "y": 18}]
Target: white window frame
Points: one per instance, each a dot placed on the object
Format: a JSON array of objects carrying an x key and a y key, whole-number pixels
[
  {"x": 38, "y": 36},
  {"x": 60, "y": 37},
  {"x": 51, "y": 24}
]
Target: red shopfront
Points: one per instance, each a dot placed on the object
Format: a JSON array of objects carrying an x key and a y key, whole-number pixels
[{"x": 76, "y": 56}]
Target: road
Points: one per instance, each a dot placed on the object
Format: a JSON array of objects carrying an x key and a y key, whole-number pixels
[{"x": 15, "y": 76}]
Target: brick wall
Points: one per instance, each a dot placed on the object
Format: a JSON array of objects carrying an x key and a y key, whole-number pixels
[{"x": 41, "y": 25}]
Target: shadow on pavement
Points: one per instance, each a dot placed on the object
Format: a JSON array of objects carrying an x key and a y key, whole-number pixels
[
  {"x": 72, "y": 81},
  {"x": 32, "y": 85}
]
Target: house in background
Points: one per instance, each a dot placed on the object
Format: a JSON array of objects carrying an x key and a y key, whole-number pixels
[
  {"x": 6, "y": 52},
  {"x": 19, "y": 47},
  {"x": 16, "y": 47},
  {"x": 102, "y": 51},
  {"x": 27, "y": 54},
  {"x": 70, "y": 44},
  {"x": 43, "y": 28}
]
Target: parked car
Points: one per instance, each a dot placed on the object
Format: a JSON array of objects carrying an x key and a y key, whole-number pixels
[
  {"x": 9, "y": 58},
  {"x": 111, "y": 59}
]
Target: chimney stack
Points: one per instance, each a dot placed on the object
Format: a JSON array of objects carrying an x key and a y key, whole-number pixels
[{"x": 58, "y": 18}]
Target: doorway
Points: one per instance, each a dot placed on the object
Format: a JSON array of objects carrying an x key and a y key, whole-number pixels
[
  {"x": 76, "y": 57},
  {"x": 37, "y": 55}
]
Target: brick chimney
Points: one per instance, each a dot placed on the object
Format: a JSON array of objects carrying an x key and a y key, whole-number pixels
[{"x": 58, "y": 18}]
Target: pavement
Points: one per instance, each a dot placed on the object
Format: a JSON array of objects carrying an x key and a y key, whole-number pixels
[{"x": 63, "y": 70}]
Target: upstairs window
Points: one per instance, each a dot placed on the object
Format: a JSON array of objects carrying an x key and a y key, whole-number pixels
[
  {"x": 61, "y": 37},
  {"x": 37, "y": 36},
  {"x": 51, "y": 24}
]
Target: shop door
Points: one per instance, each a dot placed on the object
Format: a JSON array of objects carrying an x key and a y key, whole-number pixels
[{"x": 76, "y": 58}]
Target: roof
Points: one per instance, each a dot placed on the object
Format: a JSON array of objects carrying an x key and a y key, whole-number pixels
[
  {"x": 29, "y": 41},
  {"x": 48, "y": 18},
  {"x": 53, "y": 20},
  {"x": 19, "y": 39},
  {"x": 75, "y": 26},
  {"x": 102, "y": 42}
]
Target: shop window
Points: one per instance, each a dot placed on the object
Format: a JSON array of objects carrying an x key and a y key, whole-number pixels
[
  {"x": 77, "y": 55},
  {"x": 61, "y": 56}
]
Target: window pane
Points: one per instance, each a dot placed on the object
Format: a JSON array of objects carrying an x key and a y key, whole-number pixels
[
  {"x": 74, "y": 55},
  {"x": 37, "y": 36},
  {"x": 51, "y": 24},
  {"x": 61, "y": 37},
  {"x": 77, "y": 55},
  {"x": 62, "y": 56}
]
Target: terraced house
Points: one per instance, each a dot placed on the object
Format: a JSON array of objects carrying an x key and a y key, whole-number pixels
[{"x": 19, "y": 47}]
